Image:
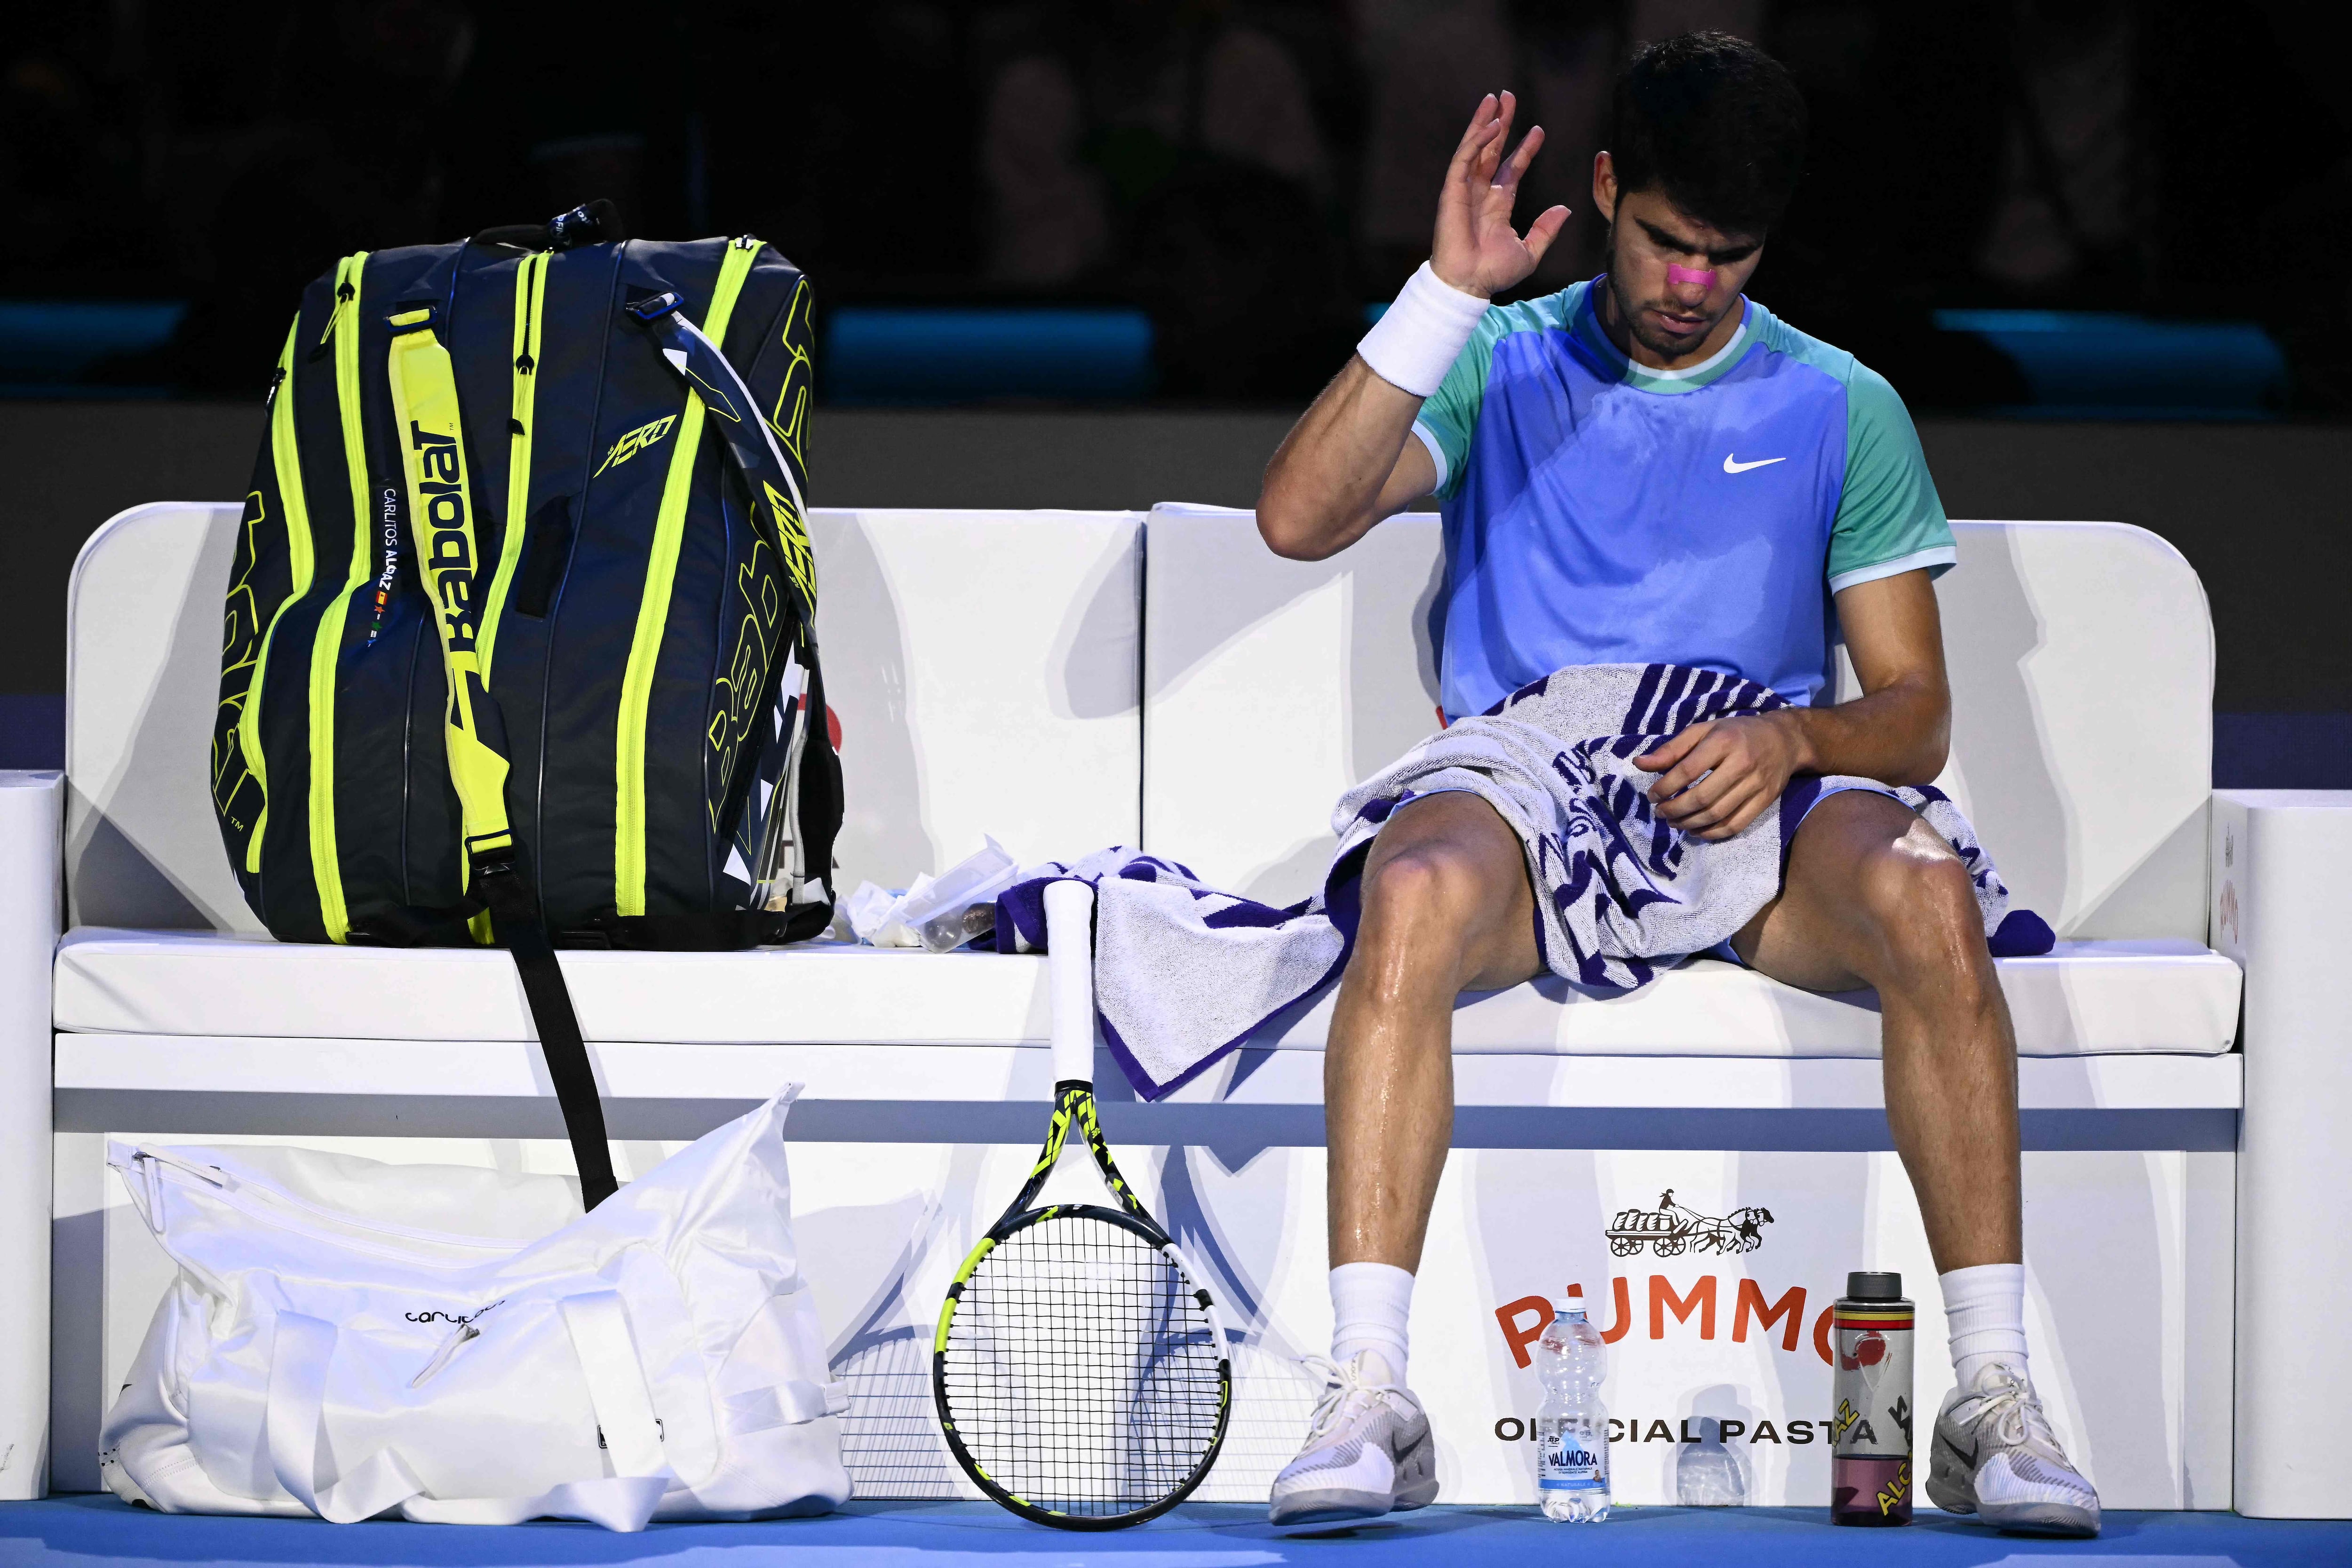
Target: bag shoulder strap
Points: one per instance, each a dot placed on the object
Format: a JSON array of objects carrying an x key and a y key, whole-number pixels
[{"x": 441, "y": 527}]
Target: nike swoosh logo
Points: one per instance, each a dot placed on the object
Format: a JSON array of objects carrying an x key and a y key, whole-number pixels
[
  {"x": 1732, "y": 465},
  {"x": 1966, "y": 1456}
]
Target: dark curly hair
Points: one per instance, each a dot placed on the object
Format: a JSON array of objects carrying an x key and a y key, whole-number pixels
[{"x": 1712, "y": 123}]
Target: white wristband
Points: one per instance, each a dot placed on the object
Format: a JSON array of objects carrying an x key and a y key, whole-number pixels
[{"x": 1417, "y": 340}]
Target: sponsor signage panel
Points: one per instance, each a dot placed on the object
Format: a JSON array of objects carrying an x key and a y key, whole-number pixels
[{"x": 1711, "y": 1275}]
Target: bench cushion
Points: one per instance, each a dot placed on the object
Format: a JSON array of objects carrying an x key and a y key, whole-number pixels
[{"x": 2086, "y": 998}]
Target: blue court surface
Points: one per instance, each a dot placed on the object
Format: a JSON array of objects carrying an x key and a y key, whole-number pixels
[{"x": 88, "y": 1530}]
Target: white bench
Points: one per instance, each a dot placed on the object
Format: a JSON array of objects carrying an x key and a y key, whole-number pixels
[{"x": 1025, "y": 675}]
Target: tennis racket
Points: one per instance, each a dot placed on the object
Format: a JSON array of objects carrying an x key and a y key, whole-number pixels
[{"x": 1080, "y": 1370}]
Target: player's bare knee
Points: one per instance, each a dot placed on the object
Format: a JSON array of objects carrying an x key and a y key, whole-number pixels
[
  {"x": 1419, "y": 895},
  {"x": 1923, "y": 907}
]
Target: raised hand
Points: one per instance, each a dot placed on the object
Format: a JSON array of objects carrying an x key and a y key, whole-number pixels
[{"x": 1475, "y": 250}]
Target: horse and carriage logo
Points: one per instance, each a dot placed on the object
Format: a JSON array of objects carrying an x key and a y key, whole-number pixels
[{"x": 1671, "y": 1229}]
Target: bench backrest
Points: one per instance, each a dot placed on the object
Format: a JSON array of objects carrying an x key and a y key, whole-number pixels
[
  {"x": 982, "y": 664},
  {"x": 984, "y": 667},
  {"x": 2082, "y": 668}
]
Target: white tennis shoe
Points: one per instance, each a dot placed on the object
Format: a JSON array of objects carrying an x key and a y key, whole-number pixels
[
  {"x": 1995, "y": 1456},
  {"x": 1368, "y": 1452}
]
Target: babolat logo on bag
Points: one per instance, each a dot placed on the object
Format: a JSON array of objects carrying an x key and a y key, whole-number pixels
[{"x": 442, "y": 483}]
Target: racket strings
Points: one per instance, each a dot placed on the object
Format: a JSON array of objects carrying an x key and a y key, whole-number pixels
[{"x": 1081, "y": 1372}]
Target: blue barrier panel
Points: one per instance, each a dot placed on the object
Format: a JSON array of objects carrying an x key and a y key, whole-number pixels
[
  {"x": 32, "y": 729},
  {"x": 905, "y": 353},
  {"x": 2091, "y": 364},
  {"x": 44, "y": 341},
  {"x": 2282, "y": 750}
]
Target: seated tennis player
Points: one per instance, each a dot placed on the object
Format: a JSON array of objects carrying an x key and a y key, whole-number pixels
[{"x": 1650, "y": 466}]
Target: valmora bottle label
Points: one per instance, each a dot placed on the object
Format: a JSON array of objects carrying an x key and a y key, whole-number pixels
[
  {"x": 1870, "y": 1387},
  {"x": 1568, "y": 1465}
]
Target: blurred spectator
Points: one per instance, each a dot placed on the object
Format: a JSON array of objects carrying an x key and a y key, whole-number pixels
[
  {"x": 2072, "y": 212},
  {"x": 1169, "y": 152},
  {"x": 345, "y": 147},
  {"x": 1654, "y": 19},
  {"x": 2250, "y": 110},
  {"x": 1431, "y": 65},
  {"x": 1080, "y": 132},
  {"x": 844, "y": 134},
  {"x": 1902, "y": 173},
  {"x": 1558, "y": 56},
  {"x": 67, "y": 155},
  {"x": 1250, "y": 171},
  {"x": 46, "y": 126}
]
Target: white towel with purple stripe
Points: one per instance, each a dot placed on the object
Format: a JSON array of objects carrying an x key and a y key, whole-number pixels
[{"x": 1185, "y": 974}]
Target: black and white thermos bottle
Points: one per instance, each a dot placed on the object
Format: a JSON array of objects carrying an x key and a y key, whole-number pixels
[{"x": 1870, "y": 1389}]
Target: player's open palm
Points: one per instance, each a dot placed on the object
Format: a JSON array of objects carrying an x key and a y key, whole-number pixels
[{"x": 1476, "y": 249}]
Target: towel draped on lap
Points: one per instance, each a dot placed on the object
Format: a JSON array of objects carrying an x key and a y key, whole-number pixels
[{"x": 1185, "y": 974}]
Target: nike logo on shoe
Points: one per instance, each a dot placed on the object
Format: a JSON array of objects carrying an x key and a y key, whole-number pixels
[{"x": 1733, "y": 466}]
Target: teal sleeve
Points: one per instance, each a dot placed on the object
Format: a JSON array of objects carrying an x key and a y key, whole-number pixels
[
  {"x": 1889, "y": 518},
  {"x": 1449, "y": 414}
]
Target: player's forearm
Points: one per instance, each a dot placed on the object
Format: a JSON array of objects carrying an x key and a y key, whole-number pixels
[
  {"x": 1323, "y": 490},
  {"x": 1900, "y": 734}
]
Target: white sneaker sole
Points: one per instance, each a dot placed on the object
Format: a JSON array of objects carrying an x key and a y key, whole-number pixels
[
  {"x": 1330, "y": 1507},
  {"x": 1951, "y": 1485},
  {"x": 1345, "y": 1505}
]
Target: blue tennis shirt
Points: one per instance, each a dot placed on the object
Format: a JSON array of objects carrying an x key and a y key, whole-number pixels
[{"x": 1599, "y": 512}]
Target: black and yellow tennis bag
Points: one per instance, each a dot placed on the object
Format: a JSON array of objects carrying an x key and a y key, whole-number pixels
[{"x": 520, "y": 642}]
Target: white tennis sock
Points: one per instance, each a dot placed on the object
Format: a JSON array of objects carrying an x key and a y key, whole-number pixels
[
  {"x": 1369, "y": 1304},
  {"x": 1985, "y": 1308}
]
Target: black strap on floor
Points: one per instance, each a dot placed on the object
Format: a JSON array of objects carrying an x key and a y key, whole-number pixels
[{"x": 517, "y": 929}]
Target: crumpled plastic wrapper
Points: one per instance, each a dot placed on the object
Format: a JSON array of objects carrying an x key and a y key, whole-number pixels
[{"x": 873, "y": 913}]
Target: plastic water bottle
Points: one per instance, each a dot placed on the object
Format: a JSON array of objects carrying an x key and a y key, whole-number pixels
[{"x": 1572, "y": 1425}]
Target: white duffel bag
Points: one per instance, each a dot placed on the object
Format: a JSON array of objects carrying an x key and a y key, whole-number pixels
[{"x": 348, "y": 1338}]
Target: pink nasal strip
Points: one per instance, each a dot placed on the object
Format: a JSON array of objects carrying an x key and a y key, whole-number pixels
[{"x": 1704, "y": 279}]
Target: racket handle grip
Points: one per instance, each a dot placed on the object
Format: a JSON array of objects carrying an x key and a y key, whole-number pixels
[{"x": 1070, "y": 978}]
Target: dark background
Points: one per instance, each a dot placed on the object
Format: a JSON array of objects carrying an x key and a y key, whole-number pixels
[
  {"x": 1250, "y": 171},
  {"x": 1247, "y": 176}
]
